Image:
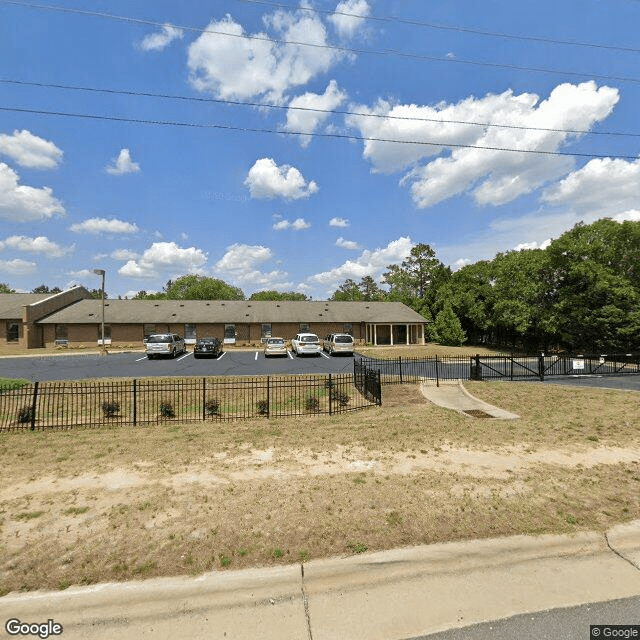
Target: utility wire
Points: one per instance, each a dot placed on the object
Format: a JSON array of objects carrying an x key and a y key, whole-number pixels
[
  {"x": 444, "y": 27},
  {"x": 196, "y": 125},
  {"x": 402, "y": 54},
  {"x": 261, "y": 105}
]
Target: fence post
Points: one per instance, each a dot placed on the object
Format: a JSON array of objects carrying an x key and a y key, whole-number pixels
[
  {"x": 135, "y": 403},
  {"x": 330, "y": 394},
  {"x": 511, "y": 376},
  {"x": 437, "y": 374},
  {"x": 268, "y": 401},
  {"x": 204, "y": 398},
  {"x": 541, "y": 367},
  {"x": 34, "y": 405},
  {"x": 400, "y": 365}
]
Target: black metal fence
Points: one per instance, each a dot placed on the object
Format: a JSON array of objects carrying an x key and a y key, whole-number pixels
[
  {"x": 493, "y": 367},
  {"x": 46, "y": 405}
]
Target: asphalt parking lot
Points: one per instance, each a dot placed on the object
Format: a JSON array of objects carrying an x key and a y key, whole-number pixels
[{"x": 137, "y": 365}]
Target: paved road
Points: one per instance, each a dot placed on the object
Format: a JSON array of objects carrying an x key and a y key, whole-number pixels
[
  {"x": 572, "y": 623},
  {"x": 136, "y": 365}
]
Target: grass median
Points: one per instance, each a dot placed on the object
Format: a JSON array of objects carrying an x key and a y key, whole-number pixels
[{"x": 82, "y": 506}]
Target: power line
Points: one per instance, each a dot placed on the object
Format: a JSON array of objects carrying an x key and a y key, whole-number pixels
[
  {"x": 394, "y": 52},
  {"x": 444, "y": 27},
  {"x": 343, "y": 136},
  {"x": 244, "y": 103}
]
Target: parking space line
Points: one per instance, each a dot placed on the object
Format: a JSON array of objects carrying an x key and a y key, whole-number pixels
[
  {"x": 324, "y": 355},
  {"x": 224, "y": 353},
  {"x": 290, "y": 354},
  {"x": 184, "y": 356},
  {"x": 143, "y": 358},
  {"x": 256, "y": 356}
]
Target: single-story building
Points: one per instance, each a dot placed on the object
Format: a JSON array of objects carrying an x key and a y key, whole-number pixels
[
  {"x": 20, "y": 313},
  {"x": 128, "y": 322}
]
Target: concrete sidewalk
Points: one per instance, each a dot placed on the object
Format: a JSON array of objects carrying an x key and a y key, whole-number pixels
[
  {"x": 451, "y": 394},
  {"x": 389, "y": 595}
]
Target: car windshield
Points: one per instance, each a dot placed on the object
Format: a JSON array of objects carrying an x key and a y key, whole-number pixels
[
  {"x": 343, "y": 339},
  {"x": 208, "y": 340},
  {"x": 309, "y": 339},
  {"x": 275, "y": 341},
  {"x": 165, "y": 339}
]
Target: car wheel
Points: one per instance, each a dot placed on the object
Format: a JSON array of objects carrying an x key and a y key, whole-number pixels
[
  {"x": 149, "y": 356},
  {"x": 173, "y": 353}
]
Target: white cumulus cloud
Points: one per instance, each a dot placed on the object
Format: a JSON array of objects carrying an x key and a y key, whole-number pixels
[
  {"x": 160, "y": 40},
  {"x": 17, "y": 267},
  {"x": 124, "y": 254},
  {"x": 349, "y": 15},
  {"x": 41, "y": 244},
  {"x": 165, "y": 257},
  {"x": 29, "y": 150},
  {"x": 241, "y": 66},
  {"x": 347, "y": 244},
  {"x": 493, "y": 177},
  {"x": 102, "y": 225},
  {"x": 602, "y": 187},
  {"x": 122, "y": 164},
  {"x": 25, "y": 204},
  {"x": 267, "y": 180},
  {"x": 297, "y": 225},
  {"x": 339, "y": 222},
  {"x": 240, "y": 263},
  {"x": 309, "y": 110},
  {"x": 369, "y": 263}
]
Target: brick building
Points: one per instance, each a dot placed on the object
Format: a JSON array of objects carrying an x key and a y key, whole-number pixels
[{"x": 127, "y": 322}]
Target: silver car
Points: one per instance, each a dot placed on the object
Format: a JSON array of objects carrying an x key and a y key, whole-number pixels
[
  {"x": 275, "y": 347},
  {"x": 164, "y": 344},
  {"x": 338, "y": 343}
]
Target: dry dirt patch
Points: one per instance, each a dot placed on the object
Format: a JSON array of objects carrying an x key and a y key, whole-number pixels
[{"x": 83, "y": 506}]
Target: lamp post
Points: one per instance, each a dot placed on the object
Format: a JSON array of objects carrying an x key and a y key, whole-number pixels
[{"x": 101, "y": 272}]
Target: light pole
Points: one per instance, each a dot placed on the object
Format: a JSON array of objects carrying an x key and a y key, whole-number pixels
[{"x": 101, "y": 272}]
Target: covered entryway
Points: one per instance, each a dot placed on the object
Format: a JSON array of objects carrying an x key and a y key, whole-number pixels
[{"x": 394, "y": 333}]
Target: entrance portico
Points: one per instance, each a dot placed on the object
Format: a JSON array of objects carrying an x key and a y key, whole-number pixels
[{"x": 394, "y": 333}]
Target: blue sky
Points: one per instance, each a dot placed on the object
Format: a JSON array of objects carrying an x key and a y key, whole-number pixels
[{"x": 414, "y": 107}]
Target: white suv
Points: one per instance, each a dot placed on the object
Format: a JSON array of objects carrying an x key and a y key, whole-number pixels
[
  {"x": 164, "y": 344},
  {"x": 306, "y": 344}
]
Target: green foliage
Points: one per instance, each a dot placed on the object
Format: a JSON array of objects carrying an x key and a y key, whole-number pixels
[
  {"x": 367, "y": 290},
  {"x": 193, "y": 287},
  {"x": 278, "y": 295},
  {"x": 448, "y": 328},
  {"x": 44, "y": 289},
  {"x": 5, "y": 288}
]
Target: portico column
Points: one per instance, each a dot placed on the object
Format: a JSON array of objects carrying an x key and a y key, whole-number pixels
[
  {"x": 375, "y": 334},
  {"x": 407, "y": 333},
  {"x": 391, "y": 328}
]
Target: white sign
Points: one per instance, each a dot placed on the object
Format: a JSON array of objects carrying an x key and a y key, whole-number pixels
[{"x": 578, "y": 364}]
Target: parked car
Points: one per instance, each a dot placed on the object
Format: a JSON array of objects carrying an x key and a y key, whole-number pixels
[
  {"x": 338, "y": 343},
  {"x": 306, "y": 344},
  {"x": 275, "y": 347},
  {"x": 164, "y": 344},
  {"x": 207, "y": 347}
]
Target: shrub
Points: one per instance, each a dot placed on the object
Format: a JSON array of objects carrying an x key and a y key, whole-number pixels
[
  {"x": 25, "y": 415},
  {"x": 167, "y": 410},
  {"x": 212, "y": 407},
  {"x": 110, "y": 408},
  {"x": 263, "y": 407},
  {"x": 340, "y": 397},
  {"x": 312, "y": 403}
]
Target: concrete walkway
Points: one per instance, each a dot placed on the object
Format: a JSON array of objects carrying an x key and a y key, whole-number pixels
[
  {"x": 451, "y": 394},
  {"x": 374, "y": 596}
]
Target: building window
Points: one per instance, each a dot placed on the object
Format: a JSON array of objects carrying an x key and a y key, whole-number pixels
[
  {"x": 62, "y": 332},
  {"x": 347, "y": 327},
  {"x": 190, "y": 333},
  {"x": 266, "y": 331},
  {"x": 13, "y": 332},
  {"x": 148, "y": 329},
  {"x": 107, "y": 334},
  {"x": 304, "y": 327}
]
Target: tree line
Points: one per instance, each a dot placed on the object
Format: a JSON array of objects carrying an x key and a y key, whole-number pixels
[{"x": 581, "y": 293}]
